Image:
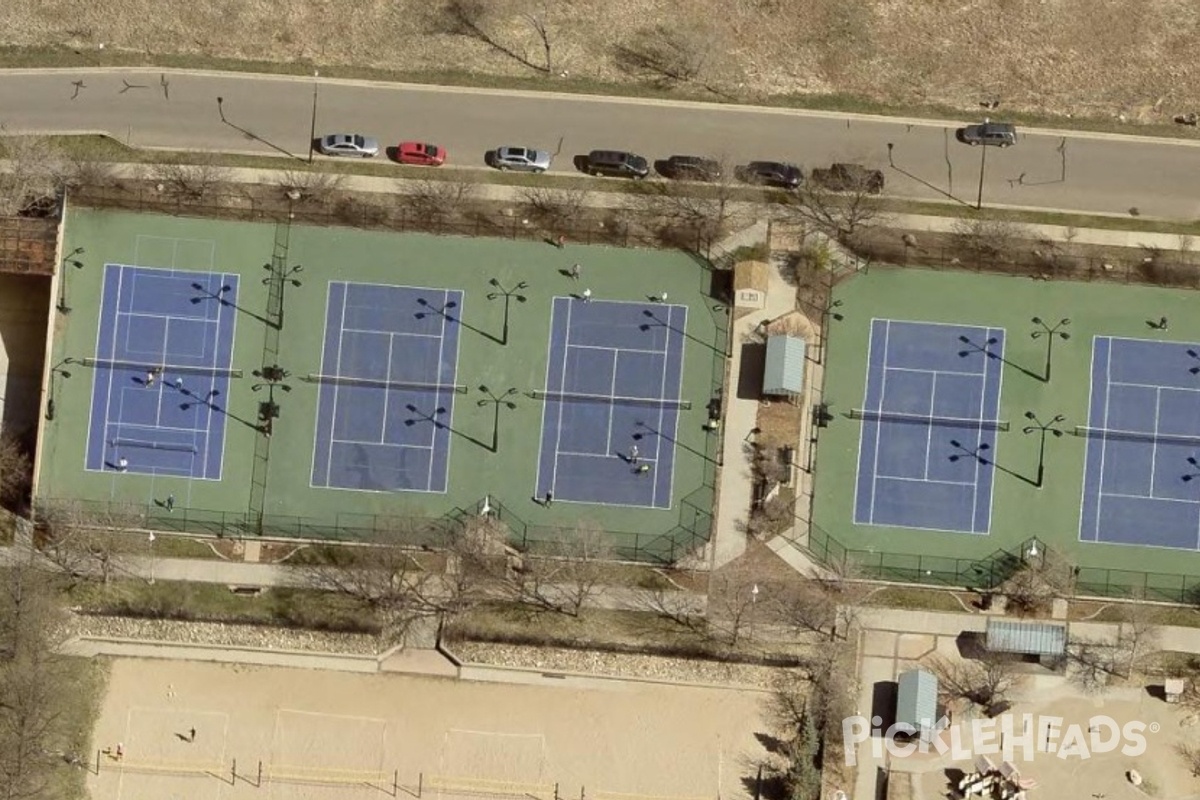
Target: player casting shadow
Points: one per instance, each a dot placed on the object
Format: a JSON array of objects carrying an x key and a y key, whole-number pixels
[
  {"x": 658, "y": 321},
  {"x": 979, "y": 454},
  {"x": 1196, "y": 355},
  {"x": 443, "y": 312},
  {"x": 219, "y": 296},
  {"x": 360, "y": 466},
  {"x": 973, "y": 347},
  {"x": 423, "y": 416},
  {"x": 207, "y": 401},
  {"x": 652, "y": 431}
]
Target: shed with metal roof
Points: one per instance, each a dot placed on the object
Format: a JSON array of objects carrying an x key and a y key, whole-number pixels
[{"x": 783, "y": 374}]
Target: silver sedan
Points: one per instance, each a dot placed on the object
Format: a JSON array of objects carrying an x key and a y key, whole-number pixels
[
  {"x": 348, "y": 144},
  {"x": 521, "y": 159}
]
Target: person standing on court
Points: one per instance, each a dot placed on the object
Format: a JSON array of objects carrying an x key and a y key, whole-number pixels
[
  {"x": 576, "y": 271},
  {"x": 586, "y": 296},
  {"x": 633, "y": 454},
  {"x": 150, "y": 378}
]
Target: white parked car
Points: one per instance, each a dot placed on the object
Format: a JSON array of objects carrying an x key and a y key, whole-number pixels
[
  {"x": 521, "y": 159},
  {"x": 348, "y": 144}
]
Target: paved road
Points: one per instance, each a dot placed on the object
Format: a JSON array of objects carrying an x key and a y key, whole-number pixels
[{"x": 1095, "y": 173}]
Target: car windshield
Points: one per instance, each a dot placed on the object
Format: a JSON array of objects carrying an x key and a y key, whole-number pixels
[
  {"x": 430, "y": 150},
  {"x": 517, "y": 153},
  {"x": 359, "y": 141}
]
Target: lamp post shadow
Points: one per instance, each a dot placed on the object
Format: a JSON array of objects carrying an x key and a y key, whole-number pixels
[
  {"x": 980, "y": 454},
  {"x": 219, "y": 297},
  {"x": 443, "y": 312},
  {"x": 420, "y": 416},
  {"x": 985, "y": 348}
]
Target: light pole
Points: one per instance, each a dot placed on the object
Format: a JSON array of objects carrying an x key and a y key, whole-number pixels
[
  {"x": 68, "y": 260},
  {"x": 312, "y": 131},
  {"x": 272, "y": 376},
  {"x": 496, "y": 401},
  {"x": 1051, "y": 332},
  {"x": 508, "y": 295},
  {"x": 983, "y": 148},
  {"x": 55, "y": 372},
  {"x": 827, "y": 313},
  {"x": 285, "y": 276},
  {"x": 1042, "y": 428}
]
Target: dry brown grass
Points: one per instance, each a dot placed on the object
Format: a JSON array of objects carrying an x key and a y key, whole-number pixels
[{"x": 1077, "y": 57}]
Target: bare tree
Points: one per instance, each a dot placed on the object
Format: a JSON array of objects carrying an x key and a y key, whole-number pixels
[
  {"x": 191, "y": 182},
  {"x": 842, "y": 215},
  {"x": 733, "y": 608},
  {"x": 984, "y": 682},
  {"x": 16, "y": 472},
  {"x": 1190, "y": 754},
  {"x": 306, "y": 185},
  {"x": 825, "y": 606},
  {"x": 477, "y": 19},
  {"x": 1090, "y": 664},
  {"x": 982, "y": 239},
  {"x": 565, "y": 575},
  {"x": 671, "y": 56},
  {"x": 687, "y": 216},
  {"x": 36, "y": 173},
  {"x": 554, "y": 208},
  {"x": 85, "y": 542},
  {"x": 33, "y": 685},
  {"x": 672, "y": 605},
  {"x": 437, "y": 201},
  {"x": 1137, "y": 635}
]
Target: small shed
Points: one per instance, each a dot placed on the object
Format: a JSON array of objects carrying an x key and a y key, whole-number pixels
[
  {"x": 1174, "y": 688},
  {"x": 750, "y": 282},
  {"x": 783, "y": 374},
  {"x": 916, "y": 702},
  {"x": 1045, "y": 640}
]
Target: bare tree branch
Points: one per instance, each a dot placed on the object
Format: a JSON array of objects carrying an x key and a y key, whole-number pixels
[
  {"x": 984, "y": 682},
  {"x": 194, "y": 181},
  {"x": 37, "y": 173}
]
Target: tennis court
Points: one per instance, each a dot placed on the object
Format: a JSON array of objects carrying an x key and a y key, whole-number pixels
[
  {"x": 928, "y": 443},
  {"x": 612, "y": 402},
  {"x": 163, "y": 355},
  {"x": 387, "y": 390},
  {"x": 1142, "y": 473}
]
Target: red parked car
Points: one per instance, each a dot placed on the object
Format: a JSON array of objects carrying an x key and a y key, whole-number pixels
[{"x": 424, "y": 155}]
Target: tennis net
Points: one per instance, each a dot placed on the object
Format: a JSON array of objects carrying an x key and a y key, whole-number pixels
[
  {"x": 160, "y": 370},
  {"x": 373, "y": 383},
  {"x": 604, "y": 399},
  {"x": 932, "y": 421},
  {"x": 146, "y": 445},
  {"x": 1151, "y": 437}
]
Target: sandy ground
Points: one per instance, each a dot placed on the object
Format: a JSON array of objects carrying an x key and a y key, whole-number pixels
[
  {"x": 336, "y": 736},
  {"x": 1132, "y": 57}
]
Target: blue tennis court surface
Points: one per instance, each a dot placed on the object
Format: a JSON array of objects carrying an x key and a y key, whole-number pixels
[
  {"x": 1141, "y": 481},
  {"x": 612, "y": 381},
  {"x": 386, "y": 397},
  {"x": 162, "y": 359},
  {"x": 927, "y": 460}
]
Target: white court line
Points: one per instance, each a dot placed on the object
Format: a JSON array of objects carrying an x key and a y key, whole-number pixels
[
  {"x": 1083, "y": 495},
  {"x": 938, "y": 371},
  {"x": 374, "y": 332},
  {"x": 562, "y": 382},
  {"x": 537, "y": 479},
  {"x": 983, "y": 392},
  {"x": 662, "y": 392},
  {"x": 679, "y": 390},
  {"x": 462, "y": 302},
  {"x": 438, "y": 394},
  {"x": 862, "y": 429},
  {"x": 112, "y": 372},
  {"x": 1104, "y": 442},
  {"x": 929, "y": 427},
  {"x": 923, "y": 480},
  {"x": 621, "y": 349},
  {"x": 887, "y": 330},
  {"x": 612, "y": 392},
  {"x": 384, "y": 444},
  {"x": 1127, "y": 496},
  {"x": 337, "y": 370},
  {"x": 391, "y": 340},
  {"x": 321, "y": 396},
  {"x": 1136, "y": 385},
  {"x": 226, "y": 280},
  {"x": 1154, "y": 440}
]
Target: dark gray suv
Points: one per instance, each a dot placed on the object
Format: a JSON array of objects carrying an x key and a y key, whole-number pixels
[
  {"x": 998, "y": 134},
  {"x": 617, "y": 163}
]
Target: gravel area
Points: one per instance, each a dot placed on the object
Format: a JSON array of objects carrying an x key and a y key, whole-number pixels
[
  {"x": 620, "y": 665},
  {"x": 221, "y": 634}
]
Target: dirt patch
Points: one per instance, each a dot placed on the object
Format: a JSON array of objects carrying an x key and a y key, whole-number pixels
[{"x": 1124, "y": 58}]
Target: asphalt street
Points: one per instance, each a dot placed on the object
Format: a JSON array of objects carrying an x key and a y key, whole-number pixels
[{"x": 1047, "y": 169}]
